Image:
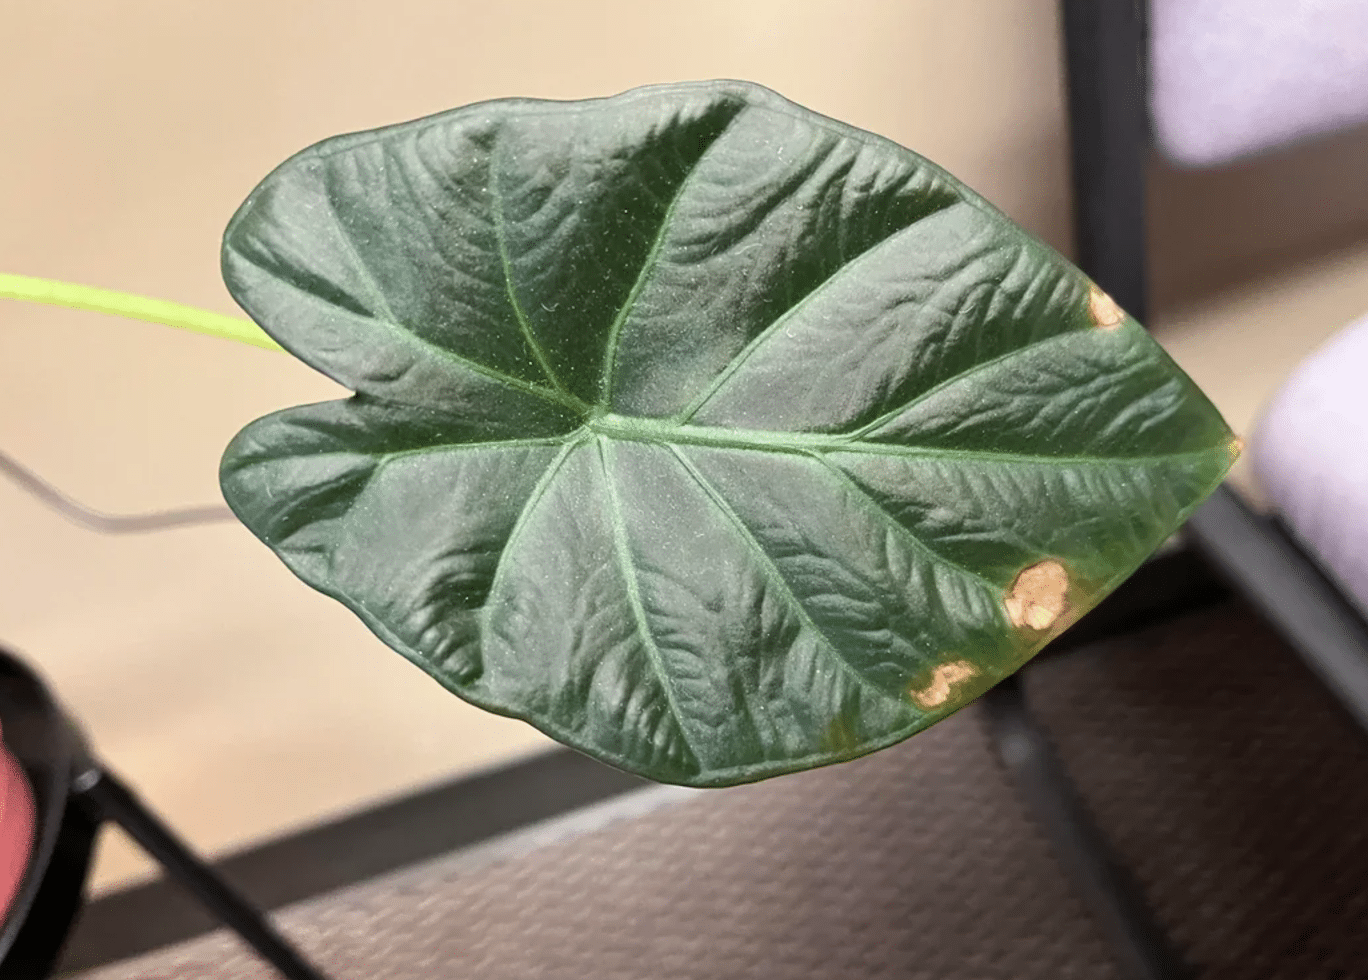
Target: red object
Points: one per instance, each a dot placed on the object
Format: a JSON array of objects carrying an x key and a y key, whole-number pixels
[{"x": 16, "y": 828}]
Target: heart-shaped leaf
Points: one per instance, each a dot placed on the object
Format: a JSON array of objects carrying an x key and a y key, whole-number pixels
[{"x": 711, "y": 436}]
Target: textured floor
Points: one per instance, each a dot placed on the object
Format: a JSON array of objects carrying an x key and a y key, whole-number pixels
[
  {"x": 1235, "y": 789},
  {"x": 1220, "y": 770}
]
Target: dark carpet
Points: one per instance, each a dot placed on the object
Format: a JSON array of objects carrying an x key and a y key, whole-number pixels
[{"x": 1227, "y": 778}]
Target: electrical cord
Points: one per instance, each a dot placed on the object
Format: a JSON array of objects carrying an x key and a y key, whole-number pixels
[{"x": 94, "y": 520}]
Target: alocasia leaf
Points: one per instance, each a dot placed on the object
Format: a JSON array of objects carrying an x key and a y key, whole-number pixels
[{"x": 711, "y": 436}]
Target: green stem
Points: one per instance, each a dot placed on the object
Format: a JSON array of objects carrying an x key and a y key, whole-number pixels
[{"x": 80, "y": 297}]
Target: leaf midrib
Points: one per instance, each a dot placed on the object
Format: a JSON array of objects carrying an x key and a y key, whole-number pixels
[{"x": 661, "y": 432}]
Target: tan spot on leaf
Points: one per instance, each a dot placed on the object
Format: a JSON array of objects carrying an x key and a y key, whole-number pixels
[
  {"x": 1103, "y": 309},
  {"x": 1237, "y": 446},
  {"x": 944, "y": 679},
  {"x": 1039, "y": 595}
]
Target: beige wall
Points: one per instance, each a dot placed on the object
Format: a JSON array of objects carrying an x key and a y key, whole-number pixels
[{"x": 239, "y": 701}]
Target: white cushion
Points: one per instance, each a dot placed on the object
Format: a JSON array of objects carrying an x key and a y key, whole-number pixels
[
  {"x": 1310, "y": 453},
  {"x": 1233, "y": 77}
]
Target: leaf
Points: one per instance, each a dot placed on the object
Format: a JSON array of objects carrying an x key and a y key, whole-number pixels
[{"x": 711, "y": 436}]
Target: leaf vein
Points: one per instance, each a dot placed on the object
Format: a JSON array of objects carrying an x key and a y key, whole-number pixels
[
  {"x": 772, "y": 571},
  {"x": 445, "y": 354},
  {"x": 764, "y": 441},
  {"x": 539, "y": 490},
  {"x": 368, "y": 280},
  {"x": 610, "y": 352},
  {"x": 622, "y": 554},
  {"x": 902, "y": 530},
  {"x": 506, "y": 263},
  {"x": 839, "y": 273},
  {"x": 957, "y": 377}
]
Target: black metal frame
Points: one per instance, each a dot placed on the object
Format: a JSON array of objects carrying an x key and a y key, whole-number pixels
[
  {"x": 437, "y": 820},
  {"x": 73, "y": 796},
  {"x": 1264, "y": 563},
  {"x": 107, "y": 798},
  {"x": 1106, "y": 45}
]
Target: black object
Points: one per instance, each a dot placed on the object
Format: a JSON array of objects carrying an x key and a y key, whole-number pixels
[
  {"x": 73, "y": 796},
  {"x": 1104, "y": 50},
  {"x": 49, "y": 897},
  {"x": 1104, "y": 54}
]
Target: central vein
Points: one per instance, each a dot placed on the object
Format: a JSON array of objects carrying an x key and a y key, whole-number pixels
[
  {"x": 668, "y": 431},
  {"x": 664, "y": 432}
]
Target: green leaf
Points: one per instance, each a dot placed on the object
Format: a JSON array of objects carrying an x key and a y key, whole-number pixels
[{"x": 711, "y": 436}]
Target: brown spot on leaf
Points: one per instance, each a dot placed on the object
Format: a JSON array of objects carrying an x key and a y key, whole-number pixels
[
  {"x": 1237, "y": 446},
  {"x": 943, "y": 682},
  {"x": 1103, "y": 309},
  {"x": 1039, "y": 595}
]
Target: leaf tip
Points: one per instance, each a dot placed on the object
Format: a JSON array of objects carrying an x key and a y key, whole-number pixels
[{"x": 1038, "y": 596}]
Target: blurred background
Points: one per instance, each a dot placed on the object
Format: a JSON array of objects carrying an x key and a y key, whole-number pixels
[{"x": 242, "y": 703}]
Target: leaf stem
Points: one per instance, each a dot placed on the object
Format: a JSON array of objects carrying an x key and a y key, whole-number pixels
[{"x": 79, "y": 297}]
